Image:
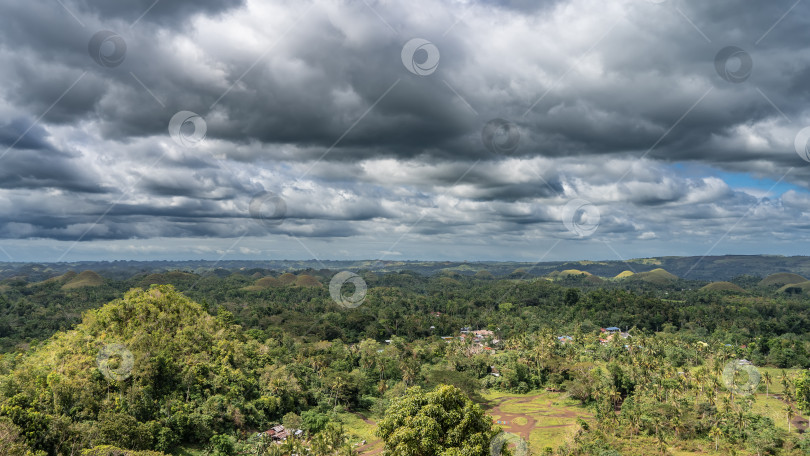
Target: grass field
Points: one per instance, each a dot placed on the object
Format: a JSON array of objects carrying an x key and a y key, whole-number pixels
[
  {"x": 543, "y": 419},
  {"x": 776, "y": 378},
  {"x": 357, "y": 428},
  {"x": 772, "y": 408}
]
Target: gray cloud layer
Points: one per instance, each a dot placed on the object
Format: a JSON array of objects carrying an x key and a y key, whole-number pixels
[{"x": 312, "y": 101}]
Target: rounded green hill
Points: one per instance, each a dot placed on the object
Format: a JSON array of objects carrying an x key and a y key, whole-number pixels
[
  {"x": 795, "y": 288},
  {"x": 724, "y": 287},
  {"x": 84, "y": 279},
  {"x": 657, "y": 276},
  {"x": 781, "y": 278}
]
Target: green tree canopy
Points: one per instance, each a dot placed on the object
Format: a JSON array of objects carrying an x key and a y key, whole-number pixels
[{"x": 443, "y": 422}]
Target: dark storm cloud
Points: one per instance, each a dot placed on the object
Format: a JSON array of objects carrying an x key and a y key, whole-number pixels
[
  {"x": 312, "y": 88},
  {"x": 30, "y": 161},
  {"x": 35, "y": 170},
  {"x": 525, "y": 6},
  {"x": 23, "y": 133},
  {"x": 162, "y": 12}
]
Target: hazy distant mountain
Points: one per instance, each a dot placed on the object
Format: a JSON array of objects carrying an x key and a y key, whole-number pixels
[{"x": 715, "y": 268}]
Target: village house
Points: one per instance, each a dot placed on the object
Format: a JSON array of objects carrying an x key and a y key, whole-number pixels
[
  {"x": 482, "y": 334},
  {"x": 610, "y": 332},
  {"x": 280, "y": 434}
]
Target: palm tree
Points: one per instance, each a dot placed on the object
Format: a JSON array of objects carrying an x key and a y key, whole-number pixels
[
  {"x": 715, "y": 385},
  {"x": 716, "y": 432},
  {"x": 615, "y": 397},
  {"x": 740, "y": 417},
  {"x": 274, "y": 450},
  {"x": 292, "y": 446},
  {"x": 676, "y": 426},
  {"x": 337, "y": 384},
  {"x": 785, "y": 383},
  {"x": 735, "y": 380},
  {"x": 767, "y": 377},
  {"x": 789, "y": 413}
]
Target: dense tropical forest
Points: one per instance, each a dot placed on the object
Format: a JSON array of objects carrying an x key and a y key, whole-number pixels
[{"x": 455, "y": 362}]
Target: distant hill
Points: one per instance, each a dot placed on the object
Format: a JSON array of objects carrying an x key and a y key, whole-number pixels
[
  {"x": 267, "y": 282},
  {"x": 84, "y": 279},
  {"x": 305, "y": 280},
  {"x": 575, "y": 273},
  {"x": 723, "y": 286},
  {"x": 595, "y": 280},
  {"x": 624, "y": 274},
  {"x": 568, "y": 273},
  {"x": 484, "y": 275},
  {"x": 285, "y": 280},
  {"x": 64, "y": 278},
  {"x": 171, "y": 277},
  {"x": 782, "y": 278},
  {"x": 710, "y": 268},
  {"x": 657, "y": 276},
  {"x": 263, "y": 283},
  {"x": 449, "y": 281},
  {"x": 795, "y": 288}
]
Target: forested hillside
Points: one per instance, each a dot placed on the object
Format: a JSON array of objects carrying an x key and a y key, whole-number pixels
[{"x": 187, "y": 364}]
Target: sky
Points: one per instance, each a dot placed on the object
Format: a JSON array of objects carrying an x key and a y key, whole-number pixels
[{"x": 528, "y": 130}]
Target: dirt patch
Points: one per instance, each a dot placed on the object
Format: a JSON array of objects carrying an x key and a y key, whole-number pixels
[
  {"x": 364, "y": 418},
  {"x": 509, "y": 423},
  {"x": 371, "y": 448}
]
